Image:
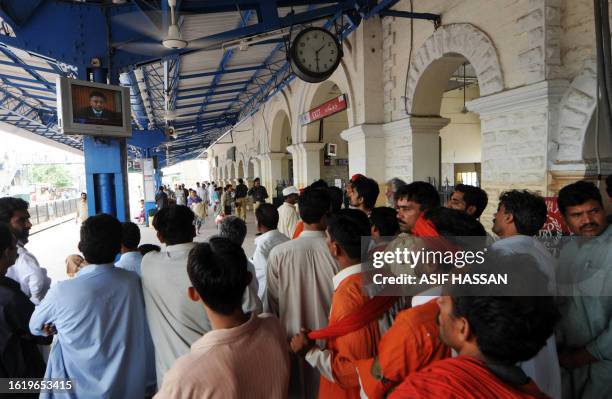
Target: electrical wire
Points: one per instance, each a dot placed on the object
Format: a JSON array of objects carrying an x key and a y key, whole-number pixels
[{"x": 409, "y": 60}]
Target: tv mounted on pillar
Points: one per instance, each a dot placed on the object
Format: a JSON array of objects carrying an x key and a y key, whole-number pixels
[{"x": 93, "y": 109}]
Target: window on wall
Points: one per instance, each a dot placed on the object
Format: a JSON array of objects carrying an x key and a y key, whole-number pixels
[
  {"x": 470, "y": 178},
  {"x": 467, "y": 173}
]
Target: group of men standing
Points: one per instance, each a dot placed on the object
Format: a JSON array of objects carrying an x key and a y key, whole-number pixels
[{"x": 187, "y": 321}]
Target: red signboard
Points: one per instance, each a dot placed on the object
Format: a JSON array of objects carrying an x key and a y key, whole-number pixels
[
  {"x": 329, "y": 108},
  {"x": 554, "y": 225}
]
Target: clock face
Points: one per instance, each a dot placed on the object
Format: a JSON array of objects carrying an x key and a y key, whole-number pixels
[{"x": 315, "y": 54}]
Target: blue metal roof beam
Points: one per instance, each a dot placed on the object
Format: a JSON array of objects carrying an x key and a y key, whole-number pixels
[
  {"x": 217, "y": 72},
  {"x": 216, "y": 93},
  {"x": 15, "y": 106},
  {"x": 31, "y": 71},
  {"x": 227, "y": 56},
  {"x": 202, "y": 88},
  {"x": 175, "y": 66},
  {"x": 137, "y": 104},
  {"x": 225, "y": 100}
]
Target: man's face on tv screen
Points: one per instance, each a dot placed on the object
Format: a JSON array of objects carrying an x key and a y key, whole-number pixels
[{"x": 97, "y": 103}]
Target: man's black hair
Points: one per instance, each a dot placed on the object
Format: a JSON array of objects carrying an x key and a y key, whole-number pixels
[
  {"x": 175, "y": 224},
  {"x": 218, "y": 272},
  {"x": 577, "y": 194},
  {"x": 346, "y": 227},
  {"x": 452, "y": 222},
  {"x": 6, "y": 237},
  {"x": 267, "y": 216},
  {"x": 10, "y": 205},
  {"x": 319, "y": 184},
  {"x": 367, "y": 189},
  {"x": 130, "y": 235},
  {"x": 528, "y": 209},
  {"x": 100, "y": 239},
  {"x": 420, "y": 192},
  {"x": 313, "y": 204},
  {"x": 240, "y": 181},
  {"x": 336, "y": 197},
  {"x": 146, "y": 248},
  {"x": 97, "y": 94},
  {"x": 256, "y": 179},
  {"x": 508, "y": 329},
  {"x": 473, "y": 196},
  {"x": 385, "y": 220}
]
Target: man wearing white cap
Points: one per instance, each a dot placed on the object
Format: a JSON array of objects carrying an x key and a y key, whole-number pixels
[{"x": 288, "y": 215}]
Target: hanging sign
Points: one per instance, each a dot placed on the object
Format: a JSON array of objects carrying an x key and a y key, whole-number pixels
[{"x": 329, "y": 108}]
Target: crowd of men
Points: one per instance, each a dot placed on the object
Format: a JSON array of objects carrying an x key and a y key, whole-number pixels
[{"x": 299, "y": 318}]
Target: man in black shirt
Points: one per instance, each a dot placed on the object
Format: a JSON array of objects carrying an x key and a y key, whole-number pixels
[
  {"x": 240, "y": 197},
  {"x": 258, "y": 192},
  {"x": 161, "y": 198},
  {"x": 19, "y": 353}
]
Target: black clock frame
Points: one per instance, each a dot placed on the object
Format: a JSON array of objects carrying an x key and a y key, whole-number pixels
[{"x": 303, "y": 73}]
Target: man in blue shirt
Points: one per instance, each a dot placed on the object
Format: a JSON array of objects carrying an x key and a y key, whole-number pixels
[
  {"x": 585, "y": 278},
  {"x": 99, "y": 320},
  {"x": 130, "y": 256}
]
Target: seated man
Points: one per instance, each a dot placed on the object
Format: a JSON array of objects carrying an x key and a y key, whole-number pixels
[
  {"x": 99, "y": 318},
  {"x": 19, "y": 355},
  {"x": 491, "y": 335},
  {"x": 245, "y": 355}
]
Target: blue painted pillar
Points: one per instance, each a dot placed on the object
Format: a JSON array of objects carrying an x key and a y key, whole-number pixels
[{"x": 105, "y": 168}]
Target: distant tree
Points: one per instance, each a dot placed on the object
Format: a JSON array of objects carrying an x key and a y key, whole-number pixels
[{"x": 57, "y": 176}]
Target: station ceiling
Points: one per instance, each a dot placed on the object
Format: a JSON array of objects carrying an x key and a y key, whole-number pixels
[{"x": 234, "y": 62}]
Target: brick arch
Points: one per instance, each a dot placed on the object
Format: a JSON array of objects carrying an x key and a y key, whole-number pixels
[
  {"x": 575, "y": 112},
  {"x": 456, "y": 39}
]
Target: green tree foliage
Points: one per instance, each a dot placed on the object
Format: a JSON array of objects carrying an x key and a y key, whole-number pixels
[{"x": 57, "y": 176}]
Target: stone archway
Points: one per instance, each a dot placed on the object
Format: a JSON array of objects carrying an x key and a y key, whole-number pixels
[
  {"x": 575, "y": 111},
  {"x": 433, "y": 64},
  {"x": 571, "y": 155},
  {"x": 240, "y": 170},
  {"x": 463, "y": 39}
]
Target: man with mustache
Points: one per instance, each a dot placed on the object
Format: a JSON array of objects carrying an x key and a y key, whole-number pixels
[
  {"x": 26, "y": 271},
  {"x": 585, "y": 278}
]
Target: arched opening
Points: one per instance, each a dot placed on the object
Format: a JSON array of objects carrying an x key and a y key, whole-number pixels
[
  {"x": 240, "y": 173},
  {"x": 454, "y": 66},
  {"x": 279, "y": 141},
  {"x": 334, "y": 164},
  {"x": 448, "y": 151},
  {"x": 460, "y": 140},
  {"x": 232, "y": 172},
  {"x": 251, "y": 171}
]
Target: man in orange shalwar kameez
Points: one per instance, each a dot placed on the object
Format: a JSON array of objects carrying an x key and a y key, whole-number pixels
[{"x": 344, "y": 346}]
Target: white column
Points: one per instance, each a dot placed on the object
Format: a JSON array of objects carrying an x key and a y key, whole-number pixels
[
  {"x": 366, "y": 150},
  {"x": 272, "y": 167},
  {"x": 426, "y": 147},
  {"x": 306, "y": 162},
  {"x": 517, "y": 132},
  {"x": 256, "y": 170}
]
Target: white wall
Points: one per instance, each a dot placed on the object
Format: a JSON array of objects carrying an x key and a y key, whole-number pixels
[{"x": 460, "y": 138}]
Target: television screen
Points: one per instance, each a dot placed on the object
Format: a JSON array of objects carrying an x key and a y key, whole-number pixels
[
  {"x": 96, "y": 106},
  {"x": 94, "y": 109}
]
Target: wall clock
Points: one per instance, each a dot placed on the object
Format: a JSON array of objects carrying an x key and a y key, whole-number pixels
[{"x": 315, "y": 54}]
